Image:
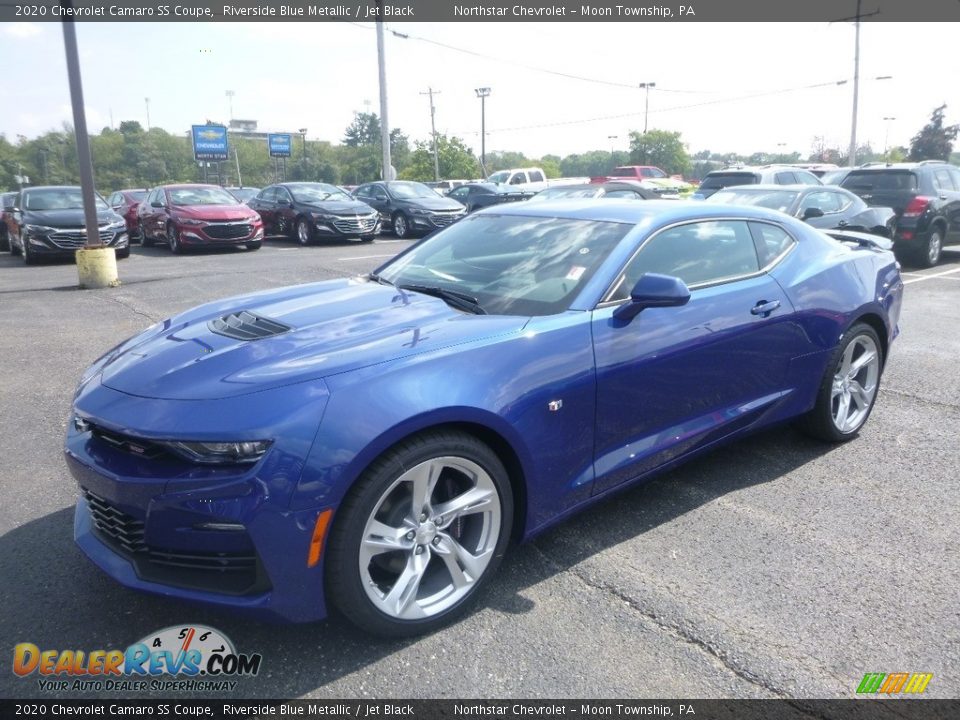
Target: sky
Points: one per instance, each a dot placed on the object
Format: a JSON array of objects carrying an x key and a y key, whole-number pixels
[{"x": 556, "y": 88}]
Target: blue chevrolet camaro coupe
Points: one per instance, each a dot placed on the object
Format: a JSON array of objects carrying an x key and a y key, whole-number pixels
[{"x": 373, "y": 444}]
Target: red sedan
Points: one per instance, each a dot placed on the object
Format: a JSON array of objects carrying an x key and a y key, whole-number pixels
[
  {"x": 125, "y": 203},
  {"x": 184, "y": 216}
]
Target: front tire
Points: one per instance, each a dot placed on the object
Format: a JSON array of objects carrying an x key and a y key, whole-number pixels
[
  {"x": 418, "y": 536},
  {"x": 173, "y": 240},
  {"x": 253, "y": 245},
  {"x": 849, "y": 387},
  {"x": 123, "y": 254},
  {"x": 28, "y": 257},
  {"x": 4, "y": 239},
  {"x": 401, "y": 226},
  {"x": 304, "y": 232},
  {"x": 145, "y": 241}
]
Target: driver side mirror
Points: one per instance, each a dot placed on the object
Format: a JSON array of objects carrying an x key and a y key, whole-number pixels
[
  {"x": 653, "y": 290},
  {"x": 811, "y": 212},
  {"x": 156, "y": 204}
]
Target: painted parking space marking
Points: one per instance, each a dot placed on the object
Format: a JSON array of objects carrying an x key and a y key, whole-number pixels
[{"x": 931, "y": 276}]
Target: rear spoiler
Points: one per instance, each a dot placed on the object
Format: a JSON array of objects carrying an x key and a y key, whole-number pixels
[{"x": 862, "y": 239}]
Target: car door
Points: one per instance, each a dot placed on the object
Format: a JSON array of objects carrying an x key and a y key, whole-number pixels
[
  {"x": 462, "y": 196},
  {"x": 673, "y": 379},
  {"x": 949, "y": 181},
  {"x": 829, "y": 203},
  {"x": 263, "y": 204},
  {"x": 377, "y": 198},
  {"x": 152, "y": 219},
  {"x": 285, "y": 213}
]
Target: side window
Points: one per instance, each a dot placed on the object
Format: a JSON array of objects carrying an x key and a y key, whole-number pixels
[
  {"x": 460, "y": 194},
  {"x": 536, "y": 176},
  {"x": 771, "y": 240},
  {"x": 806, "y": 178},
  {"x": 646, "y": 172},
  {"x": 826, "y": 201},
  {"x": 115, "y": 199},
  {"x": 955, "y": 174},
  {"x": 785, "y": 178},
  {"x": 283, "y": 196},
  {"x": 628, "y": 194},
  {"x": 657, "y": 173},
  {"x": 943, "y": 180},
  {"x": 697, "y": 253},
  {"x": 362, "y": 192},
  {"x": 378, "y": 193},
  {"x": 268, "y": 195},
  {"x": 843, "y": 200}
]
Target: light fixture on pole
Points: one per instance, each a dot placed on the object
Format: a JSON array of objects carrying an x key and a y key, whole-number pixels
[
  {"x": 780, "y": 147},
  {"x": 611, "y": 138},
  {"x": 886, "y": 136},
  {"x": 646, "y": 104},
  {"x": 303, "y": 156},
  {"x": 483, "y": 93}
]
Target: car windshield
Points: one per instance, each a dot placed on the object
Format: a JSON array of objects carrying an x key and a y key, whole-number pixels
[
  {"x": 317, "y": 192},
  {"x": 567, "y": 192},
  {"x": 136, "y": 195},
  {"x": 499, "y": 177},
  {"x": 833, "y": 177},
  {"x": 512, "y": 265},
  {"x": 781, "y": 200},
  {"x": 243, "y": 194},
  {"x": 58, "y": 199},
  {"x": 714, "y": 182},
  {"x": 406, "y": 190},
  {"x": 201, "y": 196}
]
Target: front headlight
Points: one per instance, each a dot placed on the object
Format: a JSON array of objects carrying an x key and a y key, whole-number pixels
[
  {"x": 321, "y": 217},
  {"x": 189, "y": 221},
  {"x": 419, "y": 211},
  {"x": 37, "y": 229},
  {"x": 220, "y": 453},
  {"x": 117, "y": 224}
]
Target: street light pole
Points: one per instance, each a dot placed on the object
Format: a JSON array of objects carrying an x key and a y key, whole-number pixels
[
  {"x": 611, "y": 138},
  {"x": 303, "y": 156},
  {"x": 483, "y": 93},
  {"x": 780, "y": 147},
  {"x": 382, "y": 70},
  {"x": 230, "y": 94},
  {"x": 146, "y": 101},
  {"x": 646, "y": 103},
  {"x": 886, "y": 137}
]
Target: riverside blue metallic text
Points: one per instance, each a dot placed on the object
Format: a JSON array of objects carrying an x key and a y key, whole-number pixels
[{"x": 374, "y": 444}]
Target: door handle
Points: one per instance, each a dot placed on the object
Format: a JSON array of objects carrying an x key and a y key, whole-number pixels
[
  {"x": 842, "y": 223},
  {"x": 764, "y": 308}
]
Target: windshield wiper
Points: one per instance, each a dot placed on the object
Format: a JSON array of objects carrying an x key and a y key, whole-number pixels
[
  {"x": 452, "y": 297},
  {"x": 376, "y": 278}
]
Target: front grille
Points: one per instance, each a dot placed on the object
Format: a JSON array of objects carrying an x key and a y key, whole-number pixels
[
  {"x": 444, "y": 219},
  {"x": 245, "y": 325},
  {"x": 119, "y": 529},
  {"x": 356, "y": 224},
  {"x": 228, "y": 231},
  {"x": 74, "y": 239},
  {"x": 210, "y": 562},
  {"x": 128, "y": 443}
]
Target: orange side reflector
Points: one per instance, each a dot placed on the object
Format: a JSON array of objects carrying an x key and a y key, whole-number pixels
[{"x": 319, "y": 535}]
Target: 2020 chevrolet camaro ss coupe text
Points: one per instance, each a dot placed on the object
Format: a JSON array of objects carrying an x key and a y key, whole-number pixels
[{"x": 373, "y": 444}]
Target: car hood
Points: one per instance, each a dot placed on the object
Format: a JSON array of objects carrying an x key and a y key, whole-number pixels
[
  {"x": 66, "y": 218},
  {"x": 214, "y": 212},
  {"x": 342, "y": 207},
  {"x": 335, "y": 326},
  {"x": 438, "y": 203}
]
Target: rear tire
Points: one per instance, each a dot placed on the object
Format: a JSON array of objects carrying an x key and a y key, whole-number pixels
[
  {"x": 123, "y": 254},
  {"x": 849, "y": 387},
  {"x": 144, "y": 240},
  {"x": 253, "y": 245},
  {"x": 28, "y": 257},
  {"x": 929, "y": 255},
  {"x": 419, "y": 534},
  {"x": 401, "y": 226}
]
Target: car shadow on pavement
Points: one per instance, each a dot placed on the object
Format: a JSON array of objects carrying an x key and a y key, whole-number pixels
[{"x": 56, "y": 599}]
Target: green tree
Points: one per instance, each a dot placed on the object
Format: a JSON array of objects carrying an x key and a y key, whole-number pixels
[
  {"x": 934, "y": 141},
  {"x": 661, "y": 148},
  {"x": 456, "y": 160}
]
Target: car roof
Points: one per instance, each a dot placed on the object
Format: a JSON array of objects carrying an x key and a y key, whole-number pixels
[
  {"x": 760, "y": 187},
  {"x": 631, "y": 211},
  {"x": 897, "y": 166},
  {"x": 186, "y": 186}
]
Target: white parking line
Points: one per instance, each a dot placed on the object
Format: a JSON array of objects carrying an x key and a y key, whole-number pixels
[
  {"x": 930, "y": 277},
  {"x": 364, "y": 257}
]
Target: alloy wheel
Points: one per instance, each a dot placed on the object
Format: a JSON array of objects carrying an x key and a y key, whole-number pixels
[
  {"x": 303, "y": 232},
  {"x": 430, "y": 538},
  {"x": 855, "y": 384},
  {"x": 934, "y": 247},
  {"x": 400, "y": 226}
]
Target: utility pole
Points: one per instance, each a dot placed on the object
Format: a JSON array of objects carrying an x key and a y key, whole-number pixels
[
  {"x": 147, "y": 102},
  {"x": 483, "y": 93},
  {"x": 852, "y": 160},
  {"x": 230, "y": 94},
  {"x": 646, "y": 103},
  {"x": 433, "y": 129},
  {"x": 886, "y": 137},
  {"x": 384, "y": 123}
]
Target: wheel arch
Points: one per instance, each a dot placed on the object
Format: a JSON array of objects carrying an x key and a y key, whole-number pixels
[{"x": 879, "y": 326}]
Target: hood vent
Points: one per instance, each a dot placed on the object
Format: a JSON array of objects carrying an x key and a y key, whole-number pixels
[{"x": 245, "y": 325}]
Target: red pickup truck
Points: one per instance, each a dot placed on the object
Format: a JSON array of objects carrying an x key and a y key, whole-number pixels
[{"x": 632, "y": 172}]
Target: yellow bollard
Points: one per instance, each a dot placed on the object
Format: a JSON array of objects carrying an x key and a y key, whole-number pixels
[{"x": 97, "y": 267}]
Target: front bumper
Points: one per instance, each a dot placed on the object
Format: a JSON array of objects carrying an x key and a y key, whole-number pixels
[
  {"x": 434, "y": 221},
  {"x": 347, "y": 226}
]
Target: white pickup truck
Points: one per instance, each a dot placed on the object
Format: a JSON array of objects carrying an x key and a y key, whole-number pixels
[{"x": 531, "y": 179}]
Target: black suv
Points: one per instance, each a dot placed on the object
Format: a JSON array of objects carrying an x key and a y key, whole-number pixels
[
  {"x": 765, "y": 175},
  {"x": 926, "y": 198}
]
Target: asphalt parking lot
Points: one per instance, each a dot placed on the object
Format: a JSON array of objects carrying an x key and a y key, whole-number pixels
[{"x": 776, "y": 567}]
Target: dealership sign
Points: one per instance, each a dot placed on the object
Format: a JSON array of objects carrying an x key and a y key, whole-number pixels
[
  {"x": 210, "y": 142},
  {"x": 279, "y": 144}
]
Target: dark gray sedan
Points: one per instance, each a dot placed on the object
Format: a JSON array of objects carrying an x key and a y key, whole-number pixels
[{"x": 824, "y": 207}]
